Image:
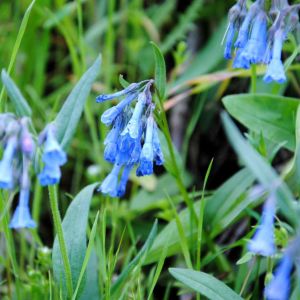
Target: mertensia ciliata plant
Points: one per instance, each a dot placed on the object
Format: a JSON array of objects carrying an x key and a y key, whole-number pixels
[{"x": 117, "y": 180}]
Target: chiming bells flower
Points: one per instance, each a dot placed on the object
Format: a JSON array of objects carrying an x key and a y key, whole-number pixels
[
  {"x": 279, "y": 287},
  {"x": 6, "y": 164},
  {"x": 255, "y": 49},
  {"x": 263, "y": 241},
  {"x": 123, "y": 181},
  {"x": 109, "y": 184},
  {"x": 53, "y": 157},
  {"x": 146, "y": 158},
  {"x": 21, "y": 217},
  {"x": 50, "y": 175},
  {"x": 275, "y": 69}
]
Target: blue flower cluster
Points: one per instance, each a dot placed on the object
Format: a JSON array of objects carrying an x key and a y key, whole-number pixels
[
  {"x": 133, "y": 139},
  {"x": 19, "y": 149},
  {"x": 255, "y": 41}
]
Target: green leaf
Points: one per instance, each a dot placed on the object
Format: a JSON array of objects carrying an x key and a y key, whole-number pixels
[
  {"x": 68, "y": 117},
  {"x": 273, "y": 116},
  {"x": 245, "y": 258},
  {"x": 231, "y": 191},
  {"x": 165, "y": 185},
  {"x": 293, "y": 172},
  {"x": 205, "y": 284},
  {"x": 74, "y": 228},
  {"x": 20, "y": 104},
  {"x": 160, "y": 72},
  {"x": 91, "y": 288},
  {"x": 87, "y": 256},
  {"x": 261, "y": 170},
  {"x": 124, "y": 83},
  {"x": 138, "y": 260}
]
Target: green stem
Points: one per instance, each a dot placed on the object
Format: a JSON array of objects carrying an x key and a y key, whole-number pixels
[
  {"x": 247, "y": 276},
  {"x": 177, "y": 173},
  {"x": 59, "y": 230},
  {"x": 253, "y": 79},
  {"x": 80, "y": 34},
  {"x": 10, "y": 244}
]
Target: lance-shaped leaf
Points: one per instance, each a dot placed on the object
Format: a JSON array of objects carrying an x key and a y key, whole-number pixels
[
  {"x": 68, "y": 117},
  {"x": 261, "y": 170},
  {"x": 74, "y": 228},
  {"x": 160, "y": 72},
  {"x": 205, "y": 284},
  {"x": 20, "y": 104}
]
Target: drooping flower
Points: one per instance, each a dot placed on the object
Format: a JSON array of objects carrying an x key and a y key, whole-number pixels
[
  {"x": 263, "y": 241},
  {"x": 157, "y": 151},
  {"x": 53, "y": 157},
  {"x": 255, "y": 49},
  {"x": 110, "y": 183},
  {"x": 235, "y": 17},
  {"x": 279, "y": 287},
  {"x": 244, "y": 29},
  {"x": 229, "y": 41},
  {"x": 21, "y": 217},
  {"x": 50, "y": 175},
  {"x": 53, "y": 153},
  {"x": 147, "y": 157},
  {"x": 132, "y": 139},
  {"x": 112, "y": 113},
  {"x": 6, "y": 164},
  {"x": 275, "y": 69},
  {"x": 132, "y": 87},
  {"x": 123, "y": 181},
  {"x": 240, "y": 62}
]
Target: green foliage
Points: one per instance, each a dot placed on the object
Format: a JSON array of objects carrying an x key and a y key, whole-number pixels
[
  {"x": 21, "y": 106},
  {"x": 160, "y": 72},
  {"x": 68, "y": 117},
  {"x": 261, "y": 169},
  {"x": 205, "y": 284},
  {"x": 273, "y": 116},
  {"x": 74, "y": 230}
]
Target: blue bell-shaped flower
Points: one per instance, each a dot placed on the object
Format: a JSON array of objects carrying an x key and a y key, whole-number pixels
[
  {"x": 110, "y": 115},
  {"x": 279, "y": 287},
  {"x": 50, "y": 175},
  {"x": 275, "y": 69},
  {"x": 22, "y": 217},
  {"x": 255, "y": 49},
  {"x": 147, "y": 156},
  {"x": 123, "y": 181},
  {"x": 263, "y": 241},
  {"x": 6, "y": 164},
  {"x": 110, "y": 183},
  {"x": 131, "y": 88},
  {"x": 53, "y": 153}
]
